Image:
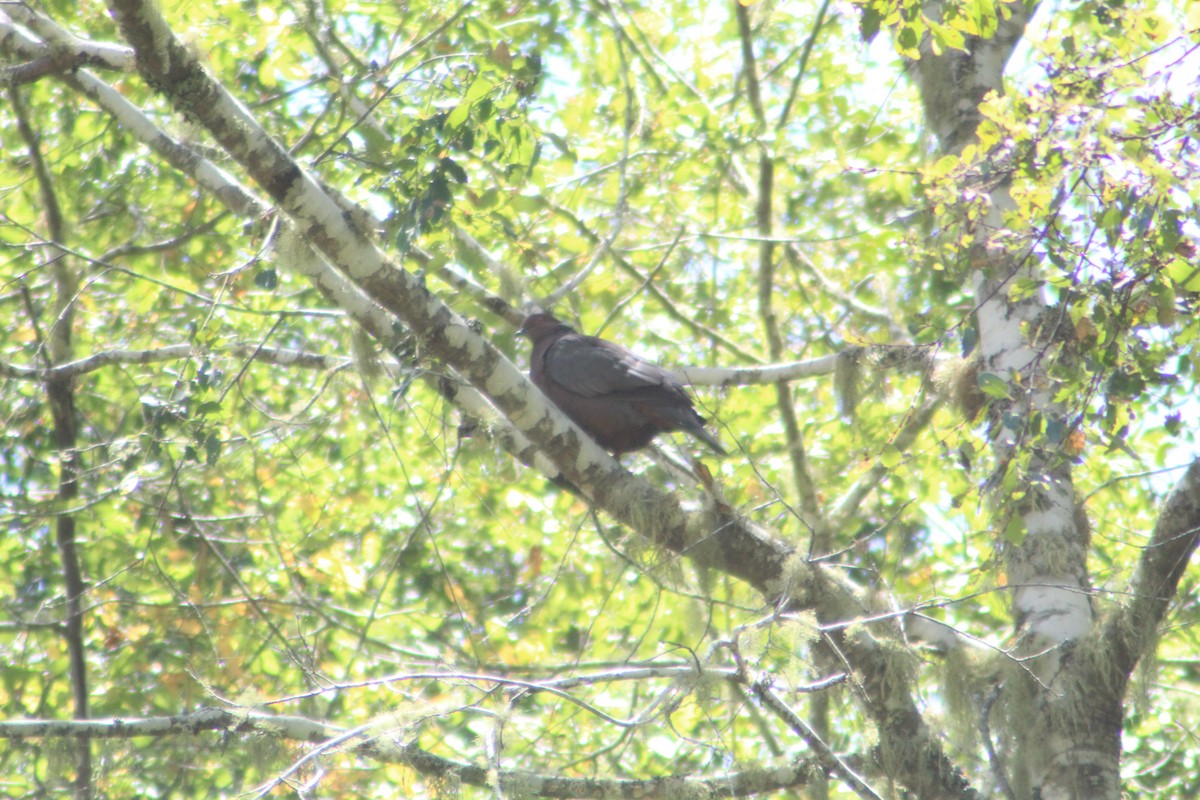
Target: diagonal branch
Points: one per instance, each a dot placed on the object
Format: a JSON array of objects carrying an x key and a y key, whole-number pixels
[
  {"x": 668, "y": 305},
  {"x": 713, "y": 536},
  {"x": 828, "y": 759},
  {"x": 1133, "y": 629},
  {"x": 918, "y": 420},
  {"x": 171, "y": 67},
  {"x": 621, "y": 207}
]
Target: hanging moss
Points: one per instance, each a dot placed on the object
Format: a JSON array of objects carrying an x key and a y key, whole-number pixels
[{"x": 968, "y": 677}]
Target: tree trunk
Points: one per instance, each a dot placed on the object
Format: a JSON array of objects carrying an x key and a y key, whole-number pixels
[{"x": 1072, "y": 750}]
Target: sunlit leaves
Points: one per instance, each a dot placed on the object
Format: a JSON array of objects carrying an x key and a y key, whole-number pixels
[
  {"x": 258, "y": 530},
  {"x": 912, "y": 25}
]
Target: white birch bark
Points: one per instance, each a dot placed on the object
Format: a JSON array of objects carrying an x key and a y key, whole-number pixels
[{"x": 1071, "y": 702}]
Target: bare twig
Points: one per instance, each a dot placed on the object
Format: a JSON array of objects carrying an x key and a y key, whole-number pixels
[
  {"x": 903, "y": 440},
  {"x": 621, "y": 208},
  {"x": 105, "y": 358},
  {"x": 828, "y": 759},
  {"x": 668, "y": 305},
  {"x": 802, "y": 67}
]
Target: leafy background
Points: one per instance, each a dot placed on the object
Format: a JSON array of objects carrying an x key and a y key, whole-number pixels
[{"x": 268, "y": 535}]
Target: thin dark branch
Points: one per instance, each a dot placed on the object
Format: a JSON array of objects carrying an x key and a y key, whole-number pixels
[
  {"x": 72, "y": 369},
  {"x": 828, "y": 759},
  {"x": 61, "y": 396},
  {"x": 385, "y": 748},
  {"x": 622, "y": 203},
  {"x": 362, "y": 111},
  {"x": 131, "y": 249},
  {"x": 29, "y": 72},
  {"x": 667, "y": 303},
  {"x": 918, "y": 419},
  {"x": 764, "y": 226},
  {"x": 749, "y": 63},
  {"x": 802, "y": 67}
]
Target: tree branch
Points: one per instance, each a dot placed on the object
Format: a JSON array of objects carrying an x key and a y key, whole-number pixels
[
  {"x": 713, "y": 536},
  {"x": 802, "y": 67},
  {"x": 667, "y": 303},
  {"x": 810, "y": 510},
  {"x": 917, "y": 422},
  {"x": 377, "y": 744},
  {"x": 293, "y": 253},
  {"x": 445, "y": 335},
  {"x": 1133, "y": 628},
  {"x": 902, "y": 358},
  {"x": 60, "y": 392},
  {"x": 280, "y": 356},
  {"x": 622, "y": 202},
  {"x": 71, "y": 52}
]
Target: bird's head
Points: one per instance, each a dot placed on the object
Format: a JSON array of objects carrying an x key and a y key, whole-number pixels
[{"x": 538, "y": 325}]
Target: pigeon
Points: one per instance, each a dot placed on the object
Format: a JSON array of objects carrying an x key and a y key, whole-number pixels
[{"x": 619, "y": 398}]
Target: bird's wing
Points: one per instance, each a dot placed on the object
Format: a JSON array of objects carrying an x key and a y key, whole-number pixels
[{"x": 592, "y": 367}]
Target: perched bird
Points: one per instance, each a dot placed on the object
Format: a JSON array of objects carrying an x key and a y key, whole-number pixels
[{"x": 621, "y": 399}]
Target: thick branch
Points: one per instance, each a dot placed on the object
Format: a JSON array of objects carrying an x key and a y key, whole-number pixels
[
  {"x": 70, "y": 52},
  {"x": 293, "y": 254},
  {"x": 953, "y": 83},
  {"x": 1133, "y": 629},
  {"x": 713, "y": 537}
]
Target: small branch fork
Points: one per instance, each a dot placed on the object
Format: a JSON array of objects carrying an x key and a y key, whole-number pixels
[{"x": 830, "y": 761}]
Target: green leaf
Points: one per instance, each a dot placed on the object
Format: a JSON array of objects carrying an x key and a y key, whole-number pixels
[
  {"x": 212, "y": 450},
  {"x": 453, "y": 169},
  {"x": 869, "y": 24},
  {"x": 266, "y": 279},
  {"x": 1015, "y": 530},
  {"x": 947, "y": 38},
  {"x": 208, "y": 407},
  {"x": 1023, "y": 287},
  {"x": 993, "y": 386},
  {"x": 890, "y": 456},
  {"x": 1185, "y": 274},
  {"x": 1173, "y": 423},
  {"x": 458, "y": 115}
]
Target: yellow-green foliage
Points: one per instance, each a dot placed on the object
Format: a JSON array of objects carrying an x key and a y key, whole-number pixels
[{"x": 279, "y": 511}]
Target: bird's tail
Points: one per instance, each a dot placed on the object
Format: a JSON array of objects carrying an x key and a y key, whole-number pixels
[{"x": 710, "y": 440}]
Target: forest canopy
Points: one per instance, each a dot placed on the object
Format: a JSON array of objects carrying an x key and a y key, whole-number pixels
[{"x": 284, "y": 516}]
